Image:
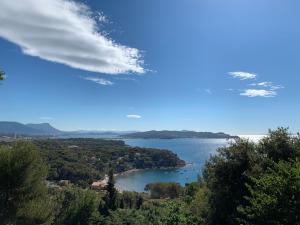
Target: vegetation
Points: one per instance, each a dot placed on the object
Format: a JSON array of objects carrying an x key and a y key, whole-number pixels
[
  {"x": 84, "y": 160},
  {"x": 111, "y": 193},
  {"x": 244, "y": 184},
  {"x": 23, "y": 192},
  {"x": 166, "y": 134},
  {"x": 2, "y": 75},
  {"x": 163, "y": 190},
  {"x": 78, "y": 206}
]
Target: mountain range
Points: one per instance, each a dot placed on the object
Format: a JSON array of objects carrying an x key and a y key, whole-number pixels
[{"x": 45, "y": 129}]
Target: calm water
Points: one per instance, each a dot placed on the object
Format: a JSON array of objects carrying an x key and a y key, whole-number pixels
[{"x": 194, "y": 151}]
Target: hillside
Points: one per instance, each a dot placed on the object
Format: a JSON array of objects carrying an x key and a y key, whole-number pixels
[
  {"x": 44, "y": 127},
  {"x": 175, "y": 134},
  {"x": 11, "y": 128},
  {"x": 83, "y": 160},
  {"x": 15, "y": 128}
]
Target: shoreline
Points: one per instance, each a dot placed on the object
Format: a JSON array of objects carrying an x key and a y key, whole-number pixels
[{"x": 127, "y": 172}]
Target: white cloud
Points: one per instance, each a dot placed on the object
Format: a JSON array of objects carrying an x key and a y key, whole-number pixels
[
  {"x": 133, "y": 116},
  {"x": 268, "y": 84},
  {"x": 65, "y": 31},
  {"x": 263, "y": 84},
  {"x": 99, "y": 81},
  {"x": 258, "y": 93},
  {"x": 276, "y": 87},
  {"x": 242, "y": 75}
]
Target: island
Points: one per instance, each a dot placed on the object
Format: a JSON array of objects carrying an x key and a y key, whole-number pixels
[{"x": 166, "y": 134}]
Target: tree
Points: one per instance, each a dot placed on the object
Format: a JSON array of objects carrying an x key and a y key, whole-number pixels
[
  {"x": 79, "y": 207},
  {"x": 175, "y": 214},
  {"x": 127, "y": 217},
  {"x": 233, "y": 179},
  {"x": 163, "y": 190},
  {"x": 279, "y": 145},
  {"x": 2, "y": 75},
  {"x": 23, "y": 191},
  {"x": 274, "y": 197},
  {"x": 225, "y": 176},
  {"x": 111, "y": 192}
]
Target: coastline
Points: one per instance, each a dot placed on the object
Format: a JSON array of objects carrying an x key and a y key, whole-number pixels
[{"x": 157, "y": 168}]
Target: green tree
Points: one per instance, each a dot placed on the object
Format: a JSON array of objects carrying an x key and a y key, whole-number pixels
[
  {"x": 2, "y": 75},
  {"x": 23, "y": 192},
  {"x": 175, "y": 214},
  {"x": 111, "y": 193},
  {"x": 127, "y": 217},
  {"x": 274, "y": 197},
  {"x": 279, "y": 145},
  {"x": 225, "y": 175},
  {"x": 79, "y": 207},
  {"x": 163, "y": 190}
]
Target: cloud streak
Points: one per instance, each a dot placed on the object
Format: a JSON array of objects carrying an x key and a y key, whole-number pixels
[
  {"x": 66, "y": 32},
  {"x": 100, "y": 81},
  {"x": 259, "y": 93},
  {"x": 133, "y": 116},
  {"x": 46, "y": 118},
  {"x": 268, "y": 85},
  {"x": 208, "y": 91},
  {"x": 242, "y": 75}
]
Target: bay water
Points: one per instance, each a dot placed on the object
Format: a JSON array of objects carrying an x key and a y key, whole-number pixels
[{"x": 194, "y": 151}]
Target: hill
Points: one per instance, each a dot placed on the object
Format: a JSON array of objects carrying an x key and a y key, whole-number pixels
[
  {"x": 175, "y": 134},
  {"x": 12, "y": 128},
  {"x": 44, "y": 127},
  {"x": 83, "y": 160}
]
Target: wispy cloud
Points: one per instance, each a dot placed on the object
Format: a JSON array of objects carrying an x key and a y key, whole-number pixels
[
  {"x": 242, "y": 75},
  {"x": 67, "y": 32},
  {"x": 208, "y": 91},
  {"x": 99, "y": 80},
  {"x": 46, "y": 118},
  {"x": 259, "y": 93},
  {"x": 268, "y": 84},
  {"x": 260, "y": 89},
  {"x": 132, "y": 116}
]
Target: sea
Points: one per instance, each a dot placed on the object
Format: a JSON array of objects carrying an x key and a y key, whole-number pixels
[{"x": 194, "y": 151}]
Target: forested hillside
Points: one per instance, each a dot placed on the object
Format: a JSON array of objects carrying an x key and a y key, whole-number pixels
[
  {"x": 167, "y": 134},
  {"x": 244, "y": 184},
  {"x": 84, "y": 160}
]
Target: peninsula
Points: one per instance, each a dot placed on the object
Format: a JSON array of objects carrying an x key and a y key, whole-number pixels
[{"x": 166, "y": 134}]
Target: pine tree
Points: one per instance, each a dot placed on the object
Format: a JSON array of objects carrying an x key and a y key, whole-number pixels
[
  {"x": 23, "y": 191},
  {"x": 2, "y": 74},
  {"x": 111, "y": 192}
]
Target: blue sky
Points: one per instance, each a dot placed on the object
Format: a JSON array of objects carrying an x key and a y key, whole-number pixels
[{"x": 202, "y": 65}]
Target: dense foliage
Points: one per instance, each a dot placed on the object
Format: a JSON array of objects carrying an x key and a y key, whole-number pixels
[
  {"x": 2, "y": 74},
  {"x": 83, "y": 160},
  {"x": 23, "y": 192},
  {"x": 163, "y": 190},
  {"x": 244, "y": 184}
]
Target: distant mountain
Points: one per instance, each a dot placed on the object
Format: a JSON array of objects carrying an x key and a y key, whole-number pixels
[
  {"x": 166, "y": 134},
  {"x": 12, "y": 128},
  {"x": 44, "y": 127}
]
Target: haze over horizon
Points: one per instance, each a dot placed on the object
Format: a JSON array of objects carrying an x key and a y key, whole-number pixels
[{"x": 151, "y": 65}]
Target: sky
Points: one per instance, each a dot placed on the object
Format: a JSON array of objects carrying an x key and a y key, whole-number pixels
[{"x": 204, "y": 65}]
